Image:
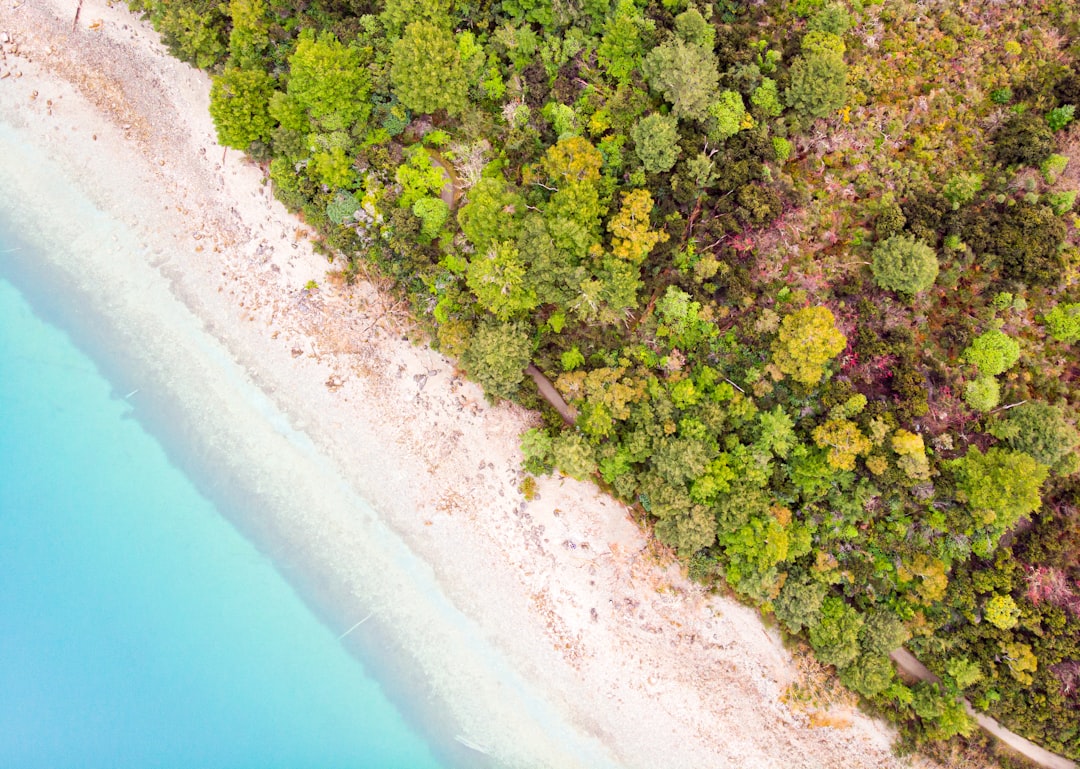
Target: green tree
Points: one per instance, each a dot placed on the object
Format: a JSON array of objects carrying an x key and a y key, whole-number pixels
[
  {"x": 799, "y": 603},
  {"x": 982, "y": 393},
  {"x": 573, "y": 455},
  {"x": 1039, "y": 430},
  {"x": 239, "y": 106},
  {"x": 497, "y": 277},
  {"x": 249, "y": 39},
  {"x": 961, "y": 188},
  {"x": 496, "y": 357},
  {"x": 623, "y": 45},
  {"x": 869, "y": 674},
  {"x": 656, "y": 140},
  {"x": 1000, "y": 486},
  {"x": 433, "y": 213},
  {"x": 808, "y": 340},
  {"x": 194, "y": 31},
  {"x": 835, "y": 637},
  {"x": 1063, "y": 322},
  {"x": 818, "y": 84},
  {"x": 883, "y": 633},
  {"x": 328, "y": 82},
  {"x": 427, "y": 73},
  {"x": 727, "y": 114},
  {"x": 692, "y": 27},
  {"x": 686, "y": 75},
  {"x": 904, "y": 264},
  {"x": 490, "y": 213},
  {"x": 399, "y": 13},
  {"x": 993, "y": 352}
]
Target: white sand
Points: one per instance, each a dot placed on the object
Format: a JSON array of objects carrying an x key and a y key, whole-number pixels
[{"x": 547, "y": 630}]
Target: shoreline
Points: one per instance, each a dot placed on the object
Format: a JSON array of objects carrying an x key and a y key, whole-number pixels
[{"x": 602, "y": 634}]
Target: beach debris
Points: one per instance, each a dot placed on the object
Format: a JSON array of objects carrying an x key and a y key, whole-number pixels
[
  {"x": 335, "y": 382},
  {"x": 358, "y": 624},
  {"x": 473, "y": 745},
  {"x": 5, "y": 38}
]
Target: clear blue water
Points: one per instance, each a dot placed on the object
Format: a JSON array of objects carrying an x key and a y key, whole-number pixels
[{"x": 138, "y": 628}]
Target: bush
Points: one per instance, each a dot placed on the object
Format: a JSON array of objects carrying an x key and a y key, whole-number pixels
[
  {"x": 1059, "y": 117},
  {"x": 904, "y": 264},
  {"x": 993, "y": 353}
]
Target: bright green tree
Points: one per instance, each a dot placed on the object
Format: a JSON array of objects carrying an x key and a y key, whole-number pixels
[
  {"x": 1063, "y": 322},
  {"x": 427, "y": 72},
  {"x": 982, "y": 393},
  {"x": 807, "y": 341},
  {"x": 328, "y": 82},
  {"x": 433, "y": 213},
  {"x": 766, "y": 97},
  {"x": 239, "y": 106},
  {"x": 993, "y": 352},
  {"x": 726, "y": 115},
  {"x": 904, "y": 264}
]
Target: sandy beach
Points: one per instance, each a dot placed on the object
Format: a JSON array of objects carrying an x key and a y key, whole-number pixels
[{"x": 548, "y": 633}]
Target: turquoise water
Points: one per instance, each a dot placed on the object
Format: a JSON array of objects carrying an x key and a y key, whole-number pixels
[{"x": 138, "y": 628}]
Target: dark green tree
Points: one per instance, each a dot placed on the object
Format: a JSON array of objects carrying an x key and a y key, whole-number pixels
[
  {"x": 496, "y": 357},
  {"x": 818, "y": 84}
]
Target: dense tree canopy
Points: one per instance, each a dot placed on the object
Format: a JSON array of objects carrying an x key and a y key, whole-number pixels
[{"x": 806, "y": 272}]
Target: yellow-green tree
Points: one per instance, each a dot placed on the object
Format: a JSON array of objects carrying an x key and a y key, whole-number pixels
[
  {"x": 808, "y": 340},
  {"x": 631, "y": 237},
  {"x": 844, "y": 442}
]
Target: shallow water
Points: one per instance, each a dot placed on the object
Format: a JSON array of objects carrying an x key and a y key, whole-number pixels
[{"x": 139, "y": 628}]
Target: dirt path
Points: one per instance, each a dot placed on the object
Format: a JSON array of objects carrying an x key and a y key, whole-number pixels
[{"x": 908, "y": 664}]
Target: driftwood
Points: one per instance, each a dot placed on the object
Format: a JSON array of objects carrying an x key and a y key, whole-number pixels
[{"x": 551, "y": 395}]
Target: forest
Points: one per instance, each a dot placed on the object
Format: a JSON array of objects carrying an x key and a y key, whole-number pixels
[{"x": 806, "y": 271}]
